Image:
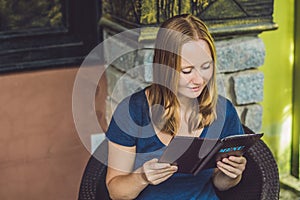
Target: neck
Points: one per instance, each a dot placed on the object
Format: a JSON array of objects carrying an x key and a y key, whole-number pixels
[{"x": 186, "y": 104}]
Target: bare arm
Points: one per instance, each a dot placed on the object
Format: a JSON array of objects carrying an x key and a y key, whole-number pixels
[
  {"x": 229, "y": 172},
  {"x": 122, "y": 183}
]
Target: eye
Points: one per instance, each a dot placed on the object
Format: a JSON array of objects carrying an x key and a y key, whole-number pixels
[
  {"x": 207, "y": 65},
  {"x": 187, "y": 70}
]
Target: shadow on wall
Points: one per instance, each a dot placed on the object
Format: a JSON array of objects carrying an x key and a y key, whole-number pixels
[{"x": 41, "y": 155}]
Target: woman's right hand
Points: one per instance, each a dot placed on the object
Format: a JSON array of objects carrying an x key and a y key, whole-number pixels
[{"x": 156, "y": 173}]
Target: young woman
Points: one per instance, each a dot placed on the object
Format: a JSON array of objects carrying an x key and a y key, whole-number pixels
[{"x": 182, "y": 100}]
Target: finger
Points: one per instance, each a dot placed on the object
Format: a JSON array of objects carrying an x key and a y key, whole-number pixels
[
  {"x": 171, "y": 169},
  {"x": 158, "y": 178},
  {"x": 162, "y": 179},
  {"x": 154, "y": 164},
  {"x": 156, "y": 174},
  {"x": 160, "y": 165},
  {"x": 160, "y": 175},
  {"x": 238, "y": 159},
  {"x": 229, "y": 168},
  {"x": 230, "y": 162},
  {"x": 236, "y": 162},
  {"x": 228, "y": 173},
  {"x": 157, "y": 168}
]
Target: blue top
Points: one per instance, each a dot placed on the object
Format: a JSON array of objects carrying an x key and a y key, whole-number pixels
[{"x": 131, "y": 126}]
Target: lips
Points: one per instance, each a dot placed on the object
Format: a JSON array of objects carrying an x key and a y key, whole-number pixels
[{"x": 195, "y": 89}]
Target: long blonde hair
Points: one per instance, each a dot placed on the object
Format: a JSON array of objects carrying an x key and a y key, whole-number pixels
[{"x": 172, "y": 34}]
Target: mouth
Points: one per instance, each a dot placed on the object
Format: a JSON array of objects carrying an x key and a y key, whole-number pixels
[{"x": 195, "y": 89}]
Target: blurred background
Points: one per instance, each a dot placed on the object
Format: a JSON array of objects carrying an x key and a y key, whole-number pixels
[{"x": 281, "y": 99}]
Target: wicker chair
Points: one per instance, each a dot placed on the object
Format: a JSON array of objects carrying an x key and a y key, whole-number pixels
[{"x": 260, "y": 179}]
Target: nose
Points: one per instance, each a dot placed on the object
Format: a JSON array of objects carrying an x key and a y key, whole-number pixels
[{"x": 198, "y": 78}]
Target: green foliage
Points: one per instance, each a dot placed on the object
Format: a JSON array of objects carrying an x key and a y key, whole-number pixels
[{"x": 16, "y": 14}]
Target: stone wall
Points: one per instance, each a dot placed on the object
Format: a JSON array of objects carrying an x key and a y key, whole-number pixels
[
  {"x": 238, "y": 62},
  {"x": 239, "y": 78},
  {"x": 235, "y": 25}
]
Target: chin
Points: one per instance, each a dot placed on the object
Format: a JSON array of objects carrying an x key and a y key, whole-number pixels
[
  {"x": 193, "y": 95},
  {"x": 189, "y": 94}
]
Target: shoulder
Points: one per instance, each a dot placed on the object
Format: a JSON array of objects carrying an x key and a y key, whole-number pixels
[
  {"x": 224, "y": 105},
  {"x": 227, "y": 112},
  {"x": 136, "y": 106},
  {"x": 224, "y": 101},
  {"x": 138, "y": 99},
  {"x": 127, "y": 119}
]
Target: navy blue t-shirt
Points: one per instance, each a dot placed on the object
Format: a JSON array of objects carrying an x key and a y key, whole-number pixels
[{"x": 131, "y": 126}]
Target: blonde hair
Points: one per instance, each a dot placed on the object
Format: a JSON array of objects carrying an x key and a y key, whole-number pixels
[{"x": 172, "y": 34}]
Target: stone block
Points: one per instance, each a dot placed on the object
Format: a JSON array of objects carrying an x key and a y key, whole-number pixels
[
  {"x": 225, "y": 86},
  {"x": 120, "y": 52},
  {"x": 113, "y": 76},
  {"x": 148, "y": 75},
  {"x": 241, "y": 112},
  {"x": 239, "y": 54},
  {"x": 253, "y": 117},
  {"x": 121, "y": 85},
  {"x": 145, "y": 59},
  {"x": 248, "y": 87},
  {"x": 222, "y": 85}
]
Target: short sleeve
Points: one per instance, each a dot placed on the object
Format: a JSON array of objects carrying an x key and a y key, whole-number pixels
[
  {"x": 128, "y": 120},
  {"x": 118, "y": 130},
  {"x": 227, "y": 122}
]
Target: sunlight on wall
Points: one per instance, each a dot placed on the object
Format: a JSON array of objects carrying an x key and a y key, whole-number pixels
[
  {"x": 278, "y": 72},
  {"x": 286, "y": 139},
  {"x": 284, "y": 152},
  {"x": 292, "y": 57}
]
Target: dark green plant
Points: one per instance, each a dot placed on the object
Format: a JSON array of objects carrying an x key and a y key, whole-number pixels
[{"x": 24, "y": 14}]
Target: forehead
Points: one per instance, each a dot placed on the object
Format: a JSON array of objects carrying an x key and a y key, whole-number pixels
[{"x": 195, "y": 52}]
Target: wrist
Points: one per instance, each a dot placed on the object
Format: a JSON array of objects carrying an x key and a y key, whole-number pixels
[
  {"x": 141, "y": 177},
  {"x": 223, "y": 182}
]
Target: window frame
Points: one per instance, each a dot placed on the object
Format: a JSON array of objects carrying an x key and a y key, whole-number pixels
[
  {"x": 295, "y": 147},
  {"x": 40, "y": 48}
]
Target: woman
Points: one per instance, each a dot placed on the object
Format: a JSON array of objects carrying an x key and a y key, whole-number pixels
[{"x": 182, "y": 100}]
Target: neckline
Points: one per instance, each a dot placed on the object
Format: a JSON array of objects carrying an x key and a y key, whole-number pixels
[{"x": 149, "y": 118}]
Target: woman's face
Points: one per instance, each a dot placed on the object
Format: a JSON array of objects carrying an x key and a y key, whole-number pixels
[{"x": 196, "y": 68}]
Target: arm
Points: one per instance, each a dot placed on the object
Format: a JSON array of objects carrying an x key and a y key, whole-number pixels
[
  {"x": 122, "y": 183},
  {"x": 118, "y": 177},
  {"x": 229, "y": 172}
]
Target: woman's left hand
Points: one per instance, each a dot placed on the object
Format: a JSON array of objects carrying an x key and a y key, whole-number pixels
[{"x": 233, "y": 166}]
